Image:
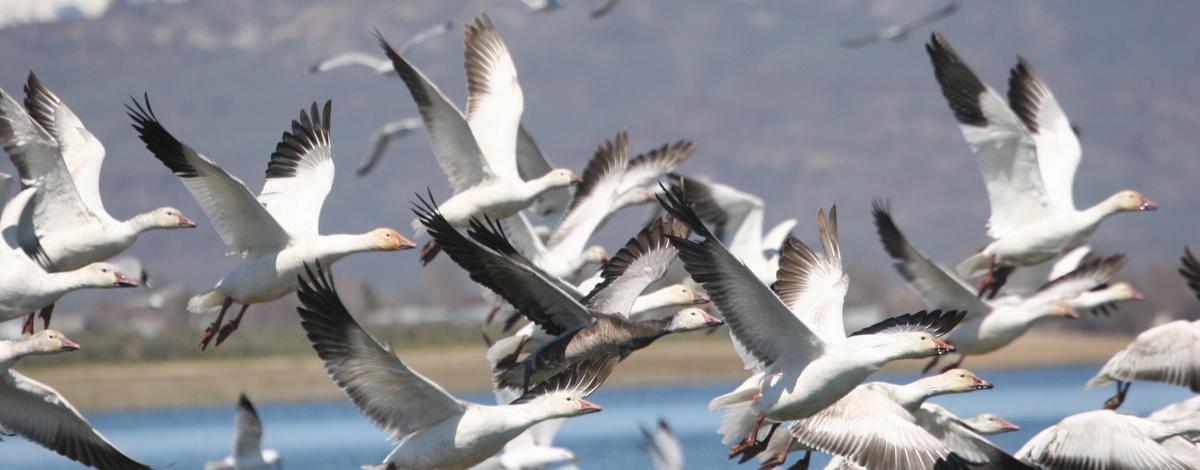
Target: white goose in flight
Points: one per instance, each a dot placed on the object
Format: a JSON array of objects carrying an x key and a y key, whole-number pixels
[
  {"x": 379, "y": 65},
  {"x": 1027, "y": 152},
  {"x": 989, "y": 324},
  {"x": 1108, "y": 440},
  {"x": 432, "y": 428},
  {"x": 275, "y": 233},
  {"x": 792, "y": 332},
  {"x": 248, "y": 453},
  {"x": 477, "y": 157},
  {"x": 39, "y": 413}
]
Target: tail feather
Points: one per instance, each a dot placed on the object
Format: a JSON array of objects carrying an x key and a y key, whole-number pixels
[
  {"x": 206, "y": 302},
  {"x": 737, "y": 422},
  {"x": 743, "y": 393}
]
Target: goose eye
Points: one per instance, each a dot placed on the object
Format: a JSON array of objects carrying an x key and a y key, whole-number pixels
[
  {"x": 922, "y": 338},
  {"x": 568, "y": 398}
]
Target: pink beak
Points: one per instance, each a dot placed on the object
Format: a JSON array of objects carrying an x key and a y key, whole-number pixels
[
  {"x": 699, "y": 298},
  {"x": 185, "y": 222},
  {"x": 1072, "y": 314},
  {"x": 589, "y": 407},
  {"x": 1138, "y": 296},
  {"x": 576, "y": 179},
  {"x": 68, "y": 345},
  {"x": 125, "y": 281},
  {"x": 981, "y": 384},
  {"x": 943, "y": 347},
  {"x": 1148, "y": 205},
  {"x": 1008, "y": 425},
  {"x": 406, "y": 244},
  {"x": 712, "y": 321}
]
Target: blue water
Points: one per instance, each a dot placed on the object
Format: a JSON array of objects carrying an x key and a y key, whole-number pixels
[{"x": 335, "y": 435}]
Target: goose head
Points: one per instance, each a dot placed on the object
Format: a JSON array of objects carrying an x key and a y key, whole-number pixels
[
  {"x": 1124, "y": 291},
  {"x": 691, "y": 319},
  {"x": 169, "y": 218},
  {"x": 561, "y": 178},
  {"x": 565, "y": 404},
  {"x": 595, "y": 255},
  {"x": 962, "y": 380},
  {"x": 1132, "y": 201},
  {"x": 386, "y": 239},
  {"x": 991, "y": 423},
  {"x": 106, "y": 275},
  {"x": 919, "y": 344},
  {"x": 51, "y": 342},
  {"x": 680, "y": 294}
]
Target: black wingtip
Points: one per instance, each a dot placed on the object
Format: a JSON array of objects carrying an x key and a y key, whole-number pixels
[
  {"x": 674, "y": 200},
  {"x": 960, "y": 85},
  {"x": 935, "y": 322}
]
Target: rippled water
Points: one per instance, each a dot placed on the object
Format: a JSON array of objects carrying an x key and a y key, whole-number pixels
[{"x": 334, "y": 435}]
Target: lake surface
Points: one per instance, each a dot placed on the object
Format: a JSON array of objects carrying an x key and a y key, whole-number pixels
[{"x": 335, "y": 435}]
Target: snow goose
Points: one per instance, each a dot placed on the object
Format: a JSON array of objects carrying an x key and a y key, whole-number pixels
[
  {"x": 665, "y": 451},
  {"x": 1028, "y": 154},
  {"x": 69, "y": 227},
  {"x": 26, "y": 287},
  {"x": 248, "y": 453},
  {"x": 481, "y": 186},
  {"x": 1105, "y": 439},
  {"x": 881, "y": 425},
  {"x": 533, "y": 164},
  {"x": 989, "y": 324},
  {"x": 1177, "y": 410},
  {"x": 581, "y": 330},
  {"x": 394, "y": 130},
  {"x": 792, "y": 332},
  {"x": 898, "y": 32},
  {"x": 1166, "y": 353},
  {"x": 990, "y": 423},
  {"x": 432, "y": 428},
  {"x": 381, "y": 66},
  {"x": 39, "y": 413},
  {"x": 643, "y": 260},
  {"x": 732, "y": 210},
  {"x": 275, "y": 233}
]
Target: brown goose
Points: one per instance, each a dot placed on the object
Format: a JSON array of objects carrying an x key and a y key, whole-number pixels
[{"x": 581, "y": 332}]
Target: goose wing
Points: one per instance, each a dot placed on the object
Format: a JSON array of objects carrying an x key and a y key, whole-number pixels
[
  {"x": 1085, "y": 277},
  {"x": 300, "y": 173},
  {"x": 594, "y": 197},
  {"x": 532, "y": 164},
  {"x": 393, "y": 396},
  {"x": 643, "y": 260},
  {"x": 664, "y": 448},
  {"x": 81, "y": 151},
  {"x": 756, "y": 317},
  {"x": 42, "y": 415},
  {"x": 384, "y": 136},
  {"x": 1097, "y": 439},
  {"x": 1058, "y": 149},
  {"x": 426, "y": 34},
  {"x": 453, "y": 143},
  {"x": 645, "y": 169},
  {"x": 248, "y": 438},
  {"x": 1190, "y": 270},
  {"x": 58, "y": 206},
  {"x": 494, "y": 99},
  {"x": 493, "y": 262},
  {"x": 1003, "y": 148},
  {"x": 244, "y": 224},
  {"x": 938, "y": 286},
  {"x": 870, "y": 429},
  {"x": 375, "y": 63},
  {"x": 814, "y": 286},
  {"x": 1165, "y": 353}
]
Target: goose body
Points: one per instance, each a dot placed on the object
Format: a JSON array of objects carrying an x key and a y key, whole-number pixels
[
  {"x": 68, "y": 226},
  {"x": 40, "y": 414},
  {"x": 26, "y": 287},
  {"x": 992, "y": 324},
  {"x": 432, "y": 429},
  {"x": 1027, "y": 152},
  {"x": 1107, "y": 439},
  {"x": 792, "y": 333},
  {"x": 248, "y": 453},
  {"x": 276, "y": 233}
]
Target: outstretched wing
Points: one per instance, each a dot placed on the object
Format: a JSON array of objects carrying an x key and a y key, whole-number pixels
[
  {"x": 300, "y": 174},
  {"x": 814, "y": 286},
  {"x": 81, "y": 151},
  {"x": 1058, "y": 149}
]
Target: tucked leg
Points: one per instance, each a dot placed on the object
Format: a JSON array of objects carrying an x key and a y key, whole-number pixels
[
  {"x": 429, "y": 252},
  {"x": 1116, "y": 400},
  {"x": 780, "y": 458},
  {"x": 932, "y": 362},
  {"x": 961, "y": 358},
  {"x": 45, "y": 316},
  {"x": 27, "y": 326},
  {"x": 232, "y": 326},
  {"x": 211, "y": 331}
]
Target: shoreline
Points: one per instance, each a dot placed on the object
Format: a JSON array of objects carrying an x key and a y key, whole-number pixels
[{"x": 688, "y": 359}]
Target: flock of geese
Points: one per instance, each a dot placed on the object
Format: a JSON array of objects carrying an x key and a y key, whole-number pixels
[{"x": 781, "y": 299}]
